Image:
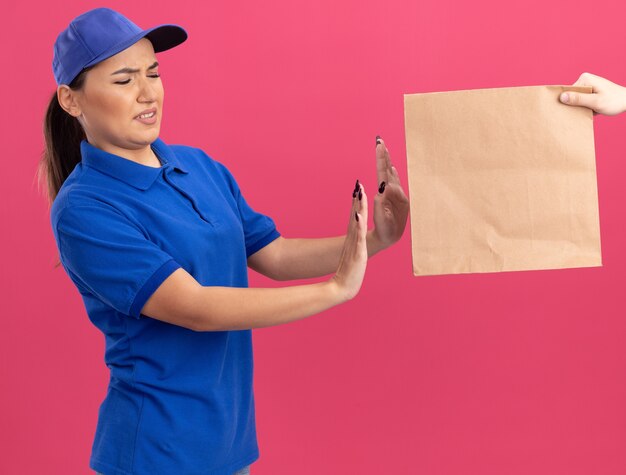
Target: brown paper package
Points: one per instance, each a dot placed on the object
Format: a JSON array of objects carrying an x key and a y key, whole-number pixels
[{"x": 501, "y": 179}]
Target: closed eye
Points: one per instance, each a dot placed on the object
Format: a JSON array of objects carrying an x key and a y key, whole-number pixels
[{"x": 128, "y": 80}]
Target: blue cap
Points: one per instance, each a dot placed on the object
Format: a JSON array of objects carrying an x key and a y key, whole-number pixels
[{"x": 100, "y": 33}]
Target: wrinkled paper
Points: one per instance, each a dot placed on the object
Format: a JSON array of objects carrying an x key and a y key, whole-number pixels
[{"x": 501, "y": 179}]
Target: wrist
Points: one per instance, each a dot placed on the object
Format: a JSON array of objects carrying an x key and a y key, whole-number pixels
[{"x": 374, "y": 244}]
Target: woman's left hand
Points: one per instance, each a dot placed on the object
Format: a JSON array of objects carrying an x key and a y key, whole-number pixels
[{"x": 391, "y": 205}]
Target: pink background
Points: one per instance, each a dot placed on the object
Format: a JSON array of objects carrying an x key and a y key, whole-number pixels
[{"x": 504, "y": 373}]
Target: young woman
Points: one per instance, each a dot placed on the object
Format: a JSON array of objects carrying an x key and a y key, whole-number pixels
[{"x": 157, "y": 239}]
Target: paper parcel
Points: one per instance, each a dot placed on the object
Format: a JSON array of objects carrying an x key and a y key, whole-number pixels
[{"x": 501, "y": 179}]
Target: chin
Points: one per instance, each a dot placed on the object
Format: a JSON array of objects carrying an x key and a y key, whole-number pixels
[{"x": 152, "y": 134}]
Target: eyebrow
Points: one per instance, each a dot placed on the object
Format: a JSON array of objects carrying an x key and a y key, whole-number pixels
[{"x": 130, "y": 70}]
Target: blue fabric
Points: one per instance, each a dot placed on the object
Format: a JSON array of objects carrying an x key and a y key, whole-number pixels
[{"x": 178, "y": 401}]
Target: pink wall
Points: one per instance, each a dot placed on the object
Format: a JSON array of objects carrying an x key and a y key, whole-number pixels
[{"x": 505, "y": 373}]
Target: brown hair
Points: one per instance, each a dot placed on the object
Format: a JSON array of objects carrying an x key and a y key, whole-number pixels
[{"x": 62, "y": 134}]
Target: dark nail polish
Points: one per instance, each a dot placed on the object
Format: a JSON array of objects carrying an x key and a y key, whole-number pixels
[
  {"x": 360, "y": 195},
  {"x": 354, "y": 194},
  {"x": 356, "y": 216},
  {"x": 382, "y": 187},
  {"x": 377, "y": 139}
]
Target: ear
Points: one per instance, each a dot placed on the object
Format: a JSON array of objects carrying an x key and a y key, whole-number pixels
[{"x": 68, "y": 100}]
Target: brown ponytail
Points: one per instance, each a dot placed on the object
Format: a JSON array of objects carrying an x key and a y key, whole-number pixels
[{"x": 62, "y": 134}]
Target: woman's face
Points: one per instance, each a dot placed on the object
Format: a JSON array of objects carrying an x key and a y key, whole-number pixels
[{"x": 113, "y": 97}]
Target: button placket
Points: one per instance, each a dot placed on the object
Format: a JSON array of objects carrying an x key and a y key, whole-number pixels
[{"x": 182, "y": 192}]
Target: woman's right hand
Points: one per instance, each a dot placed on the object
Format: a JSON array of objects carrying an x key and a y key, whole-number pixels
[
  {"x": 606, "y": 97},
  {"x": 353, "y": 261}
]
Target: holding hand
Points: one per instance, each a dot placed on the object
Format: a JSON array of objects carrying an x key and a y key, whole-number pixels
[{"x": 606, "y": 98}]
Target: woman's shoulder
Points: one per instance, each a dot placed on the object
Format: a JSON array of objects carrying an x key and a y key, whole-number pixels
[{"x": 79, "y": 199}]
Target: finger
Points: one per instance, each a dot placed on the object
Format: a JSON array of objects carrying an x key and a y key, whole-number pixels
[
  {"x": 393, "y": 176},
  {"x": 394, "y": 170},
  {"x": 382, "y": 160},
  {"x": 392, "y": 173},
  {"x": 363, "y": 204},
  {"x": 355, "y": 200},
  {"x": 579, "y": 99},
  {"x": 397, "y": 198},
  {"x": 581, "y": 81},
  {"x": 393, "y": 179},
  {"x": 398, "y": 183},
  {"x": 361, "y": 198},
  {"x": 361, "y": 212},
  {"x": 588, "y": 79}
]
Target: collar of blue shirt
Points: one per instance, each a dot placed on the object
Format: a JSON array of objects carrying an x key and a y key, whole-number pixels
[{"x": 135, "y": 174}]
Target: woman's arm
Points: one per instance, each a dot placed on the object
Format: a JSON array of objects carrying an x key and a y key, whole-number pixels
[
  {"x": 304, "y": 258},
  {"x": 182, "y": 300},
  {"x": 301, "y": 258}
]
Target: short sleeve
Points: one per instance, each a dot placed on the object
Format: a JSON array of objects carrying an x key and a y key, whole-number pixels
[
  {"x": 259, "y": 229},
  {"x": 106, "y": 254}
]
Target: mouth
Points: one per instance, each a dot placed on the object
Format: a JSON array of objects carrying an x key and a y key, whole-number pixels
[{"x": 147, "y": 116}]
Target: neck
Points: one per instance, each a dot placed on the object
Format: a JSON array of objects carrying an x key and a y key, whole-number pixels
[{"x": 143, "y": 155}]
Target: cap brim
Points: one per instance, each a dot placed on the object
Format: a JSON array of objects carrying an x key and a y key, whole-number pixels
[{"x": 162, "y": 37}]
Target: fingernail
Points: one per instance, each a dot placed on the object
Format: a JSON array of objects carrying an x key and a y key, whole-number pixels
[
  {"x": 382, "y": 187},
  {"x": 360, "y": 195},
  {"x": 565, "y": 97},
  {"x": 356, "y": 215},
  {"x": 354, "y": 194},
  {"x": 377, "y": 139}
]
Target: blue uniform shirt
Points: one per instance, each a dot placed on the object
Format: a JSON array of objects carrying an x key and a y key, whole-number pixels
[{"x": 178, "y": 401}]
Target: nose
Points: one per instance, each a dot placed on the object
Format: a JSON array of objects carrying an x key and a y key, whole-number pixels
[{"x": 147, "y": 90}]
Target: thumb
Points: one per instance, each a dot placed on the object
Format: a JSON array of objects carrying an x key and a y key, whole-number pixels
[{"x": 579, "y": 99}]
